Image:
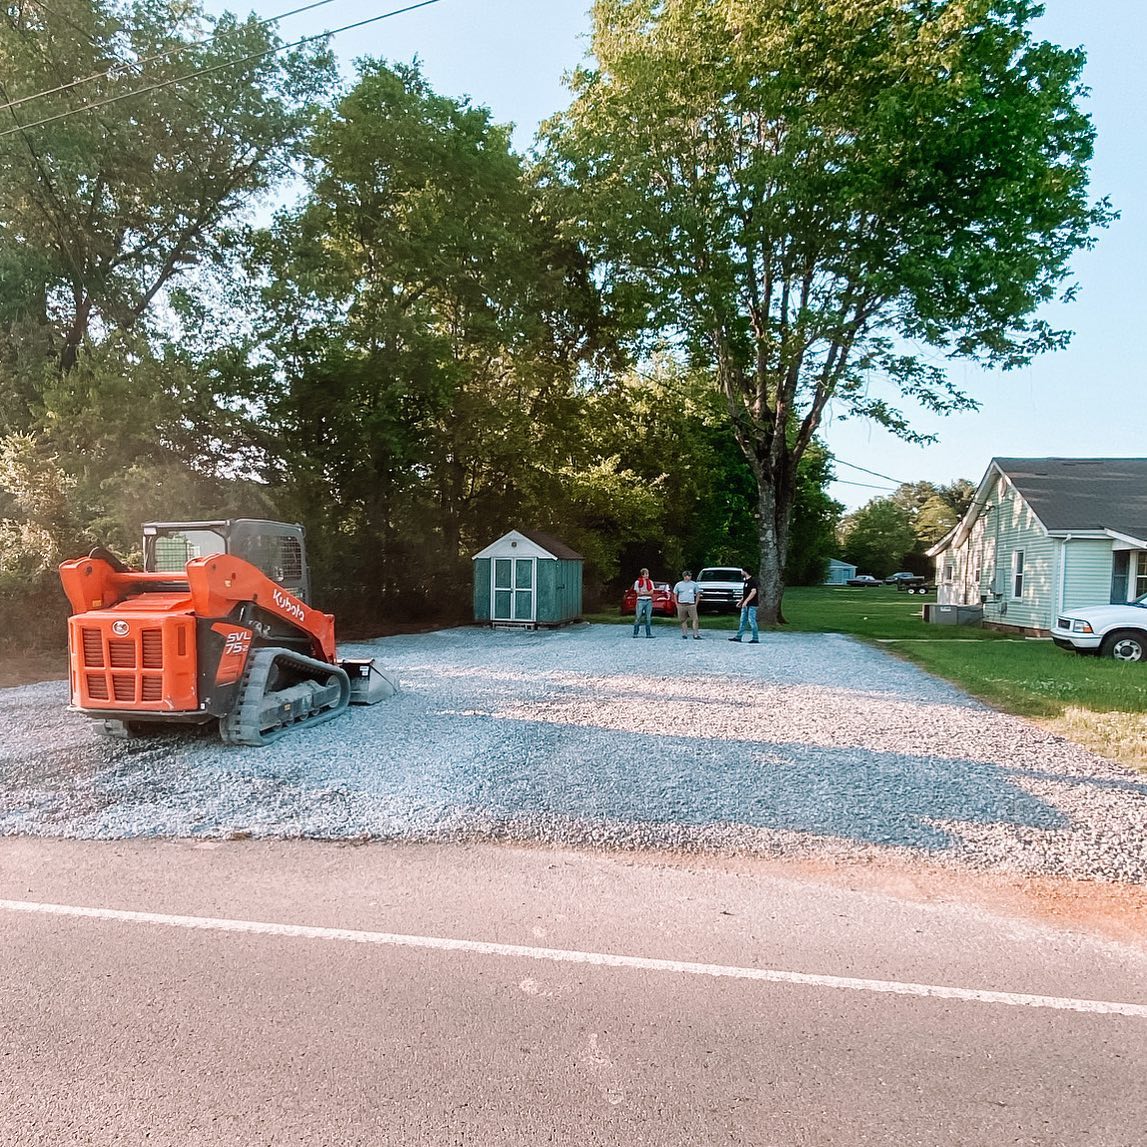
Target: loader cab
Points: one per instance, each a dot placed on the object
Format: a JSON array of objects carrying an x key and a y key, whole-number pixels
[{"x": 276, "y": 548}]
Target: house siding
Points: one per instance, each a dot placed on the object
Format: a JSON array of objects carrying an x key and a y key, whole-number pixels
[
  {"x": 1086, "y": 573},
  {"x": 982, "y": 567},
  {"x": 1019, "y": 529}
]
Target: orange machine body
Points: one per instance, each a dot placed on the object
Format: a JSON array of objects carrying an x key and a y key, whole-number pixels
[{"x": 164, "y": 643}]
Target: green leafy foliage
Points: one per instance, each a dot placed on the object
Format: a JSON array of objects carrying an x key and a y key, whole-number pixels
[
  {"x": 103, "y": 209},
  {"x": 801, "y": 192},
  {"x": 895, "y": 533}
]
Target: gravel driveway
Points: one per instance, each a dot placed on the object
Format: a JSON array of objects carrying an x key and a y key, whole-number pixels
[{"x": 807, "y": 743}]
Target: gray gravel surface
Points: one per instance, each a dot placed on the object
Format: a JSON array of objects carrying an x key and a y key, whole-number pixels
[{"x": 805, "y": 744}]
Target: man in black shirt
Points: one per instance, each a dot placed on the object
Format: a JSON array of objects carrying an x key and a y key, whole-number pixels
[{"x": 750, "y": 595}]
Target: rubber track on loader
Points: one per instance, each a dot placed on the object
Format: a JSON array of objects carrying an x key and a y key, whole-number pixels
[{"x": 244, "y": 724}]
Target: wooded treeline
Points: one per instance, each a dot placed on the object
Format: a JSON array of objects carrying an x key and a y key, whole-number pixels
[
  {"x": 265, "y": 293},
  {"x": 895, "y": 532}
]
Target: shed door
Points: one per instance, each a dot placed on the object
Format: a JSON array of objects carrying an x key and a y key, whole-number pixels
[{"x": 513, "y": 589}]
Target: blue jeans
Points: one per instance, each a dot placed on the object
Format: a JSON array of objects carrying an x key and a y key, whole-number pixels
[
  {"x": 748, "y": 621},
  {"x": 644, "y": 613}
]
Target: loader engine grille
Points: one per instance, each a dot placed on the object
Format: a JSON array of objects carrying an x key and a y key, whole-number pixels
[
  {"x": 151, "y": 642},
  {"x": 128, "y": 670},
  {"x": 93, "y": 649},
  {"x": 121, "y": 654}
]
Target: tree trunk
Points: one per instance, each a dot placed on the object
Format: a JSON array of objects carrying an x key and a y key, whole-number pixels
[
  {"x": 70, "y": 354},
  {"x": 774, "y": 507}
]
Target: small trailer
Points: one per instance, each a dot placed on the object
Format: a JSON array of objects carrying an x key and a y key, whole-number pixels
[{"x": 915, "y": 585}]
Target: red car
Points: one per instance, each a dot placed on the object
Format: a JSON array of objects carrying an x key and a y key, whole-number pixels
[{"x": 662, "y": 600}]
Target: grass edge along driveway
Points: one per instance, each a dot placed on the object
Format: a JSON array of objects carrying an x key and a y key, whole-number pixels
[{"x": 1098, "y": 703}]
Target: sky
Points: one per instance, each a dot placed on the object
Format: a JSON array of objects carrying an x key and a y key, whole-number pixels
[{"x": 1089, "y": 400}]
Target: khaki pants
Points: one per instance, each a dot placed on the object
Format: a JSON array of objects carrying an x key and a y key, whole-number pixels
[{"x": 687, "y": 613}]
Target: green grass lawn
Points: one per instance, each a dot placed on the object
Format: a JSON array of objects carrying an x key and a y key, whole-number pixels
[{"x": 1098, "y": 702}]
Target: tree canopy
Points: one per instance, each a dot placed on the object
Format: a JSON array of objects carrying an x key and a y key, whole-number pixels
[{"x": 804, "y": 194}]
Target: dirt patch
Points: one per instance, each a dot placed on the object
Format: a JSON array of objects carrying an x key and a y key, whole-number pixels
[
  {"x": 1116, "y": 911},
  {"x": 1113, "y": 911}
]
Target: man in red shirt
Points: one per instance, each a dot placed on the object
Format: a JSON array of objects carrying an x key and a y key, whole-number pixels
[{"x": 643, "y": 587}]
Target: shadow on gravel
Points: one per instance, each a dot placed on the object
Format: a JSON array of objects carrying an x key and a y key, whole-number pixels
[
  {"x": 869, "y": 797},
  {"x": 1138, "y": 788}
]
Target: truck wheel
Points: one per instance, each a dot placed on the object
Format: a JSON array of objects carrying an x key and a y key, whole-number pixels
[{"x": 1125, "y": 645}]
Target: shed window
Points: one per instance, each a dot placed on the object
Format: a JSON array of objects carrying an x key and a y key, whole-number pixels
[
  {"x": 1017, "y": 574},
  {"x": 1140, "y": 574}
]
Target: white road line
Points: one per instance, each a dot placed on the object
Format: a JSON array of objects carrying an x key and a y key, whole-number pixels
[{"x": 564, "y": 956}]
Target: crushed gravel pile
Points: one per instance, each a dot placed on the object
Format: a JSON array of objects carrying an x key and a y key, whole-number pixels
[{"x": 805, "y": 744}]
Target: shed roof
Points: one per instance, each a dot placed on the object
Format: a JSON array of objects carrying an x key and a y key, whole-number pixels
[
  {"x": 1083, "y": 493},
  {"x": 555, "y": 546},
  {"x": 530, "y": 543}
]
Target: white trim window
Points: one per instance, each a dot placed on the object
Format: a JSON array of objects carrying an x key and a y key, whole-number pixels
[
  {"x": 1140, "y": 575},
  {"x": 1017, "y": 574}
]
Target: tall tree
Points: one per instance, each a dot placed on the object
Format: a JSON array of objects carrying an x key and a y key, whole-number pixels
[
  {"x": 804, "y": 190},
  {"x": 419, "y": 308},
  {"x": 102, "y": 207}
]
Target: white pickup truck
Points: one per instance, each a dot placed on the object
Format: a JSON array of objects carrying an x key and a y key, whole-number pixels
[
  {"x": 721, "y": 588},
  {"x": 1118, "y": 631}
]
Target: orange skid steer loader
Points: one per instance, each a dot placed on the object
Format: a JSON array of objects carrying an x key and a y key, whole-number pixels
[{"x": 215, "y": 627}]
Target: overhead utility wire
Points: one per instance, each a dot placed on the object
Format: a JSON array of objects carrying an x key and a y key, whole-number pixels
[
  {"x": 886, "y": 477},
  {"x": 218, "y": 67},
  {"x": 137, "y": 65},
  {"x": 865, "y": 485}
]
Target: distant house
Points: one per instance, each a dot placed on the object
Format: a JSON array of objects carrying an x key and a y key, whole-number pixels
[
  {"x": 838, "y": 572},
  {"x": 1047, "y": 534}
]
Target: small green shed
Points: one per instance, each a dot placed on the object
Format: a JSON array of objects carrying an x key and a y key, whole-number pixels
[{"x": 527, "y": 578}]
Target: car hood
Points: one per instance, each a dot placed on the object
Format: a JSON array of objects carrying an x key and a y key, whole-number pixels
[{"x": 1107, "y": 614}]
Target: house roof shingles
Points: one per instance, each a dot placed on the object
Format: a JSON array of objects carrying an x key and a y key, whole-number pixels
[{"x": 1083, "y": 493}]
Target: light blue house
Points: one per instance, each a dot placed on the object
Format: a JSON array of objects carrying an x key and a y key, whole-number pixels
[
  {"x": 838, "y": 572},
  {"x": 1044, "y": 535}
]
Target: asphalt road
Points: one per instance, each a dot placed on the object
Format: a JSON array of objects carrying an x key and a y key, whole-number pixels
[{"x": 452, "y": 994}]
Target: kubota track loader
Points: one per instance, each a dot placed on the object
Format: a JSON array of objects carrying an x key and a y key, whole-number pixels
[{"x": 216, "y": 626}]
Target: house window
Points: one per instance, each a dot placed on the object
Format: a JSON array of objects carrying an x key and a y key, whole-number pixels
[
  {"x": 1017, "y": 574},
  {"x": 949, "y": 571},
  {"x": 1141, "y": 573}
]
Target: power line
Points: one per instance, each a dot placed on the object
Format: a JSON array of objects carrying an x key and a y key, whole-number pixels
[
  {"x": 864, "y": 485},
  {"x": 874, "y": 473},
  {"x": 219, "y": 67},
  {"x": 138, "y": 65}
]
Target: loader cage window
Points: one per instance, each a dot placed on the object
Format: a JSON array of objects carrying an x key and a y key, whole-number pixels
[
  {"x": 279, "y": 556},
  {"x": 172, "y": 551}
]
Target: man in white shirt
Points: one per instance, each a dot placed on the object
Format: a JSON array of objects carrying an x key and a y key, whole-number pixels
[{"x": 686, "y": 595}]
